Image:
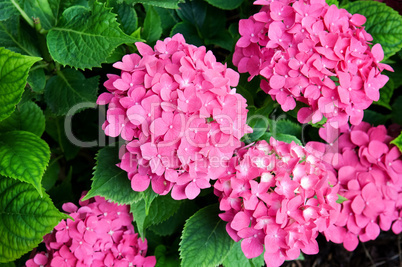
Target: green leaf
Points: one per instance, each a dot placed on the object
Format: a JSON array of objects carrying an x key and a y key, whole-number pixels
[
  {"x": 110, "y": 181},
  {"x": 23, "y": 156},
  {"x": 176, "y": 221},
  {"x": 152, "y": 29},
  {"x": 159, "y": 209},
  {"x": 375, "y": 118},
  {"x": 189, "y": 32},
  {"x": 55, "y": 128},
  {"x": 37, "y": 80},
  {"x": 172, "y": 4},
  {"x": 332, "y": 2},
  {"x": 279, "y": 127},
  {"x": 397, "y": 110},
  {"x": 84, "y": 38},
  {"x": 13, "y": 78},
  {"x": 341, "y": 199},
  {"x": 287, "y": 138},
  {"x": 51, "y": 175},
  {"x": 68, "y": 89},
  {"x": 383, "y": 23},
  {"x": 223, "y": 39},
  {"x": 163, "y": 259},
  {"x": 169, "y": 18},
  {"x": 27, "y": 117},
  {"x": 398, "y": 142},
  {"x": 7, "y": 9},
  {"x": 126, "y": 16},
  {"x": 47, "y": 11},
  {"x": 204, "y": 241},
  {"x": 18, "y": 38},
  {"x": 193, "y": 12},
  {"x": 25, "y": 217},
  {"x": 258, "y": 120},
  {"x": 386, "y": 94},
  {"x": 225, "y": 4},
  {"x": 236, "y": 258},
  {"x": 8, "y": 264}
]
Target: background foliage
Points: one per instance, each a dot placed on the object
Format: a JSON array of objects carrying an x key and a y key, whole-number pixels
[{"x": 54, "y": 57}]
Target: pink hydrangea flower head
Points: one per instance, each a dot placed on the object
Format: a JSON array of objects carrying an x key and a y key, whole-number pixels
[
  {"x": 101, "y": 234},
  {"x": 176, "y": 107},
  {"x": 369, "y": 175},
  {"x": 276, "y": 195},
  {"x": 313, "y": 53}
]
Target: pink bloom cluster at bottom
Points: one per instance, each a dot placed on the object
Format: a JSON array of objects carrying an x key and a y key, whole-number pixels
[
  {"x": 369, "y": 172},
  {"x": 277, "y": 195},
  {"x": 101, "y": 234}
]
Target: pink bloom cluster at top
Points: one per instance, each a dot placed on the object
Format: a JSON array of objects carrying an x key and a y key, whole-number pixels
[
  {"x": 101, "y": 234},
  {"x": 312, "y": 53},
  {"x": 277, "y": 195},
  {"x": 180, "y": 117},
  {"x": 369, "y": 172}
]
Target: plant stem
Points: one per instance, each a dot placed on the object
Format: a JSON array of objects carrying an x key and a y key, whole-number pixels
[{"x": 23, "y": 14}]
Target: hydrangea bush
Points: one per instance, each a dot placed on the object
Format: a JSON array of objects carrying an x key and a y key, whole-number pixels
[
  {"x": 99, "y": 233},
  {"x": 277, "y": 196},
  {"x": 313, "y": 53},
  {"x": 203, "y": 133},
  {"x": 368, "y": 170},
  {"x": 179, "y": 115}
]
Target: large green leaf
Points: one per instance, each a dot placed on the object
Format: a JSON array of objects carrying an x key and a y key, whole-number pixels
[
  {"x": 173, "y": 4},
  {"x": 398, "y": 142},
  {"x": 37, "y": 80},
  {"x": 189, "y": 32},
  {"x": 8, "y": 9},
  {"x": 236, "y": 258},
  {"x": 13, "y": 78},
  {"x": 126, "y": 16},
  {"x": 383, "y": 23},
  {"x": 258, "y": 120},
  {"x": 84, "y": 38},
  {"x": 193, "y": 12},
  {"x": 69, "y": 88},
  {"x": 47, "y": 11},
  {"x": 375, "y": 118},
  {"x": 110, "y": 181},
  {"x": 25, "y": 217},
  {"x": 278, "y": 127},
  {"x": 27, "y": 117},
  {"x": 18, "y": 37},
  {"x": 160, "y": 209},
  {"x": 204, "y": 241},
  {"x": 55, "y": 128},
  {"x": 225, "y": 4},
  {"x": 23, "y": 156},
  {"x": 152, "y": 29},
  {"x": 386, "y": 94}
]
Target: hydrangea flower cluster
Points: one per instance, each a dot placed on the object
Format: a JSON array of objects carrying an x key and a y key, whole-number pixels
[
  {"x": 180, "y": 117},
  {"x": 276, "y": 195},
  {"x": 312, "y": 53},
  {"x": 101, "y": 234},
  {"x": 369, "y": 173}
]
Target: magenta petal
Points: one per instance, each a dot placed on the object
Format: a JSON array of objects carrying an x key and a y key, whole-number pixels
[
  {"x": 277, "y": 81},
  {"x": 358, "y": 204},
  {"x": 377, "y": 148},
  {"x": 251, "y": 247},
  {"x": 192, "y": 190},
  {"x": 240, "y": 221},
  {"x": 372, "y": 230},
  {"x": 149, "y": 150},
  {"x": 139, "y": 182},
  {"x": 136, "y": 114},
  {"x": 359, "y": 138},
  {"x": 350, "y": 242}
]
